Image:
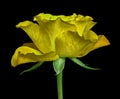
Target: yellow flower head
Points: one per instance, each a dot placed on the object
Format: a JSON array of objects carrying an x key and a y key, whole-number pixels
[{"x": 56, "y": 36}]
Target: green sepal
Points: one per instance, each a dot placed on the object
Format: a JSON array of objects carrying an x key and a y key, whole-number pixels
[
  {"x": 80, "y": 63},
  {"x": 58, "y": 65},
  {"x": 32, "y": 68}
]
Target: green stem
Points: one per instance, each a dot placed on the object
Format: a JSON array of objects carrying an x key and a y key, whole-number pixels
[{"x": 59, "y": 86}]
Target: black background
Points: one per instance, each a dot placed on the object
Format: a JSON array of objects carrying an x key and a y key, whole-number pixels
[{"x": 41, "y": 83}]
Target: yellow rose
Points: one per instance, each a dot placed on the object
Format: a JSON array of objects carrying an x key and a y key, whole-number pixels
[{"x": 56, "y": 36}]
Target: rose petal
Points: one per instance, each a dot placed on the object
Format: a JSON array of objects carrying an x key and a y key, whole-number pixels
[
  {"x": 26, "y": 54},
  {"x": 70, "y": 44},
  {"x": 49, "y": 17},
  {"x": 54, "y": 28},
  {"x": 101, "y": 42},
  {"x": 84, "y": 24},
  {"x": 38, "y": 35},
  {"x": 90, "y": 35}
]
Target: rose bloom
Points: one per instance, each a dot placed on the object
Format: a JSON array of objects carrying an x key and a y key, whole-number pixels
[{"x": 55, "y": 36}]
